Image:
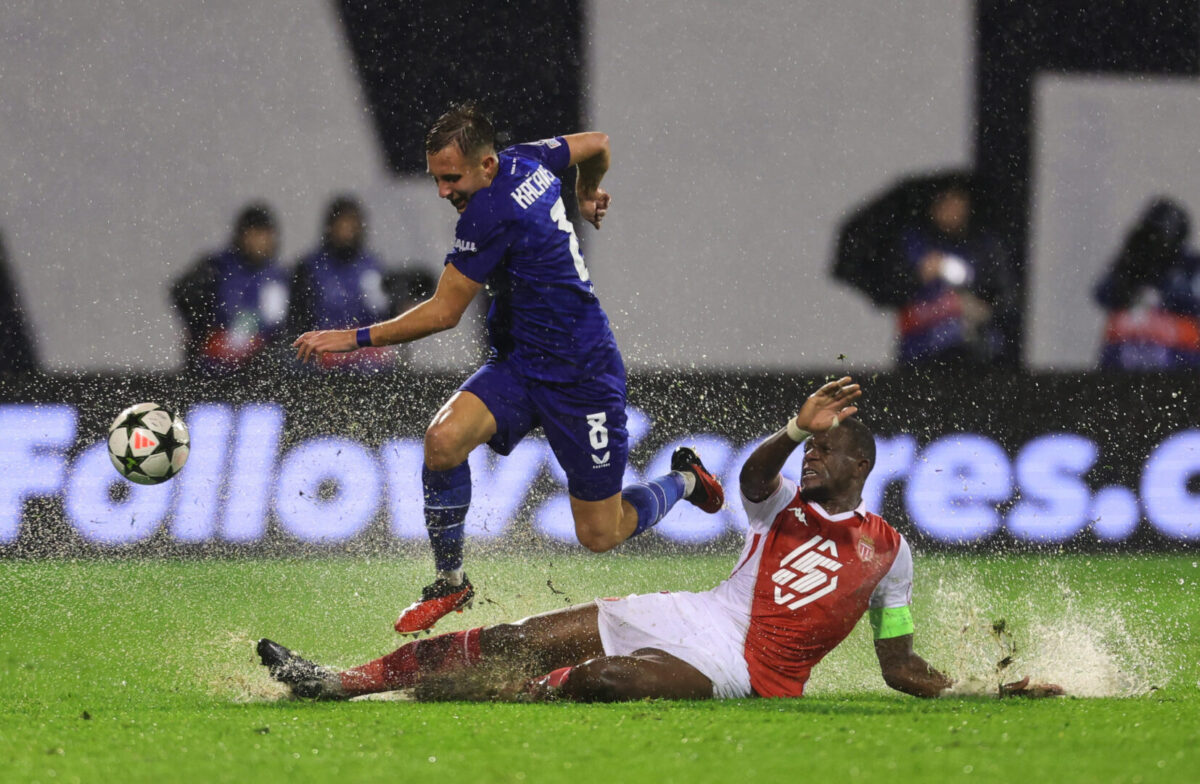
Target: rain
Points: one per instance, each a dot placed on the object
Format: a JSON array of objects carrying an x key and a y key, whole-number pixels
[{"x": 984, "y": 213}]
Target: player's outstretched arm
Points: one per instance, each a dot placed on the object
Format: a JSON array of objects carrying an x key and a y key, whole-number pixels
[
  {"x": 823, "y": 410},
  {"x": 591, "y": 153},
  {"x": 440, "y": 312},
  {"x": 905, "y": 671}
]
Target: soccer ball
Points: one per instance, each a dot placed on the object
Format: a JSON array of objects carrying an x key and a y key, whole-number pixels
[{"x": 148, "y": 444}]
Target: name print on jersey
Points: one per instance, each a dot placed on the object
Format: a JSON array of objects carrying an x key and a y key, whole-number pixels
[
  {"x": 532, "y": 187},
  {"x": 804, "y": 573}
]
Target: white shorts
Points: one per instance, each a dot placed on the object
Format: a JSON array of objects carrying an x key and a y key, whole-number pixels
[{"x": 693, "y": 627}]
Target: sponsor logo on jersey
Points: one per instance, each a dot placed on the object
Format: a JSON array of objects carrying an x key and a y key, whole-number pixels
[
  {"x": 532, "y": 187},
  {"x": 551, "y": 143},
  {"x": 463, "y": 246},
  {"x": 804, "y": 574}
]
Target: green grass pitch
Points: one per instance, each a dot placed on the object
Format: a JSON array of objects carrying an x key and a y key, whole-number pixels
[{"x": 144, "y": 671}]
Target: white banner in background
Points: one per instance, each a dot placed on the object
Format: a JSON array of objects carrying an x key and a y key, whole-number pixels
[{"x": 328, "y": 489}]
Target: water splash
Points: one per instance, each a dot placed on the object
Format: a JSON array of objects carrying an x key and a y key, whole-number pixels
[
  {"x": 227, "y": 665},
  {"x": 977, "y": 628},
  {"x": 1093, "y": 644},
  {"x": 983, "y": 635}
]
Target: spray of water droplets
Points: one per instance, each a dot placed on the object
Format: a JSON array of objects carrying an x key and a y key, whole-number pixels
[
  {"x": 228, "y": 666},
  {"x": 1091, "y": 644}
]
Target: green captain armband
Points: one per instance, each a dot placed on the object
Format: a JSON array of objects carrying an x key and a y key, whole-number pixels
[{"x": 888, "y": 622}]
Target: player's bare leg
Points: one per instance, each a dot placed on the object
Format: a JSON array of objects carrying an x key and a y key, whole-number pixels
[
  {"x": 462, "y": 424},
  {"x": 504, "y": 654},
  {"x": 602, "y": 525},
  {"x": 648, "y": 673},
  {"x": 547, "y": 640}
]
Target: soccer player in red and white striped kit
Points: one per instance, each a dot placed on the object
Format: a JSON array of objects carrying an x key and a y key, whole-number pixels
[{"x": 815, "y": 561}]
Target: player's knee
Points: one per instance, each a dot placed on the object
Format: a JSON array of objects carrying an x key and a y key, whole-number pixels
[
  {"x": 507, "y": 639},
  {"x": 444, "y": 446},
  {"x": 596, "y": 538},
  {"x": 606, "y": 679},
  {"x": 596, "y": 527}
]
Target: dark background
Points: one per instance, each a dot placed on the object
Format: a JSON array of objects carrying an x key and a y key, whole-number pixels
[{"x": 416, "y": 57}]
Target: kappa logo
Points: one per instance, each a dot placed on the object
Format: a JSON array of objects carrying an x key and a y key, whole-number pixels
[
  {"x": 799, "y": 512},
  {"x": 804, "y": 573}
]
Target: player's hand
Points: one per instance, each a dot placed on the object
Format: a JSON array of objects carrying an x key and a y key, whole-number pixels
[
  {"x": 1023, "y": 688},
  {"x": 311, "y": 345},
  {"x": 828, "y": 406},
  {"x": 593, "y": 207}
]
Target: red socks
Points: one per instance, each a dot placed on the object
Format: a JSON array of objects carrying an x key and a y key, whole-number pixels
[
  {"x": 401, "y": 668},
  {"x": 558, "y": 677},
  {"x": 546, "y": 687}
]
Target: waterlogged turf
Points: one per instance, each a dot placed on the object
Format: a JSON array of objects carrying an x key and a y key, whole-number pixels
[{"x": 144, "y": 671}]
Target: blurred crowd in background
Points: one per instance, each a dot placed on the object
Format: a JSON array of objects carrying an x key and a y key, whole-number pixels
[
  {"x": 918, "y": 249},
  {"x": 239, "y": 301},
  {"x": 921, "y": 250},
  {"x": 240, "y": 305}
]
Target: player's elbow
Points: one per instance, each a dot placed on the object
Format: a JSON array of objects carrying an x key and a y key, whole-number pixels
[
  {"x": 590, "y": 150},
  {"x": 447, "y": 321}
]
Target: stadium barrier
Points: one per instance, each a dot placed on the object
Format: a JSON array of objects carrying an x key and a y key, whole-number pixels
[{"x": 287, "y": 464}]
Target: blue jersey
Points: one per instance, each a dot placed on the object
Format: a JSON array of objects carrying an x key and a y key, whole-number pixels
[{"x": 515, "y": 238}]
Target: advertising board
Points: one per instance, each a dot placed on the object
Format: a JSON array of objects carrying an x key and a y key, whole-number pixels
[{"x": 1089, "y": 462}]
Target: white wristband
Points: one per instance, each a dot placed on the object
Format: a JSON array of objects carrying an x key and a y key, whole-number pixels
[{"x": 795, "y": 433}]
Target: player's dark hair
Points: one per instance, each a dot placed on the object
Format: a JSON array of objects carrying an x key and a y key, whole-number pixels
[
  {"x": 466, "y": 126},
  {"x": 859, "y": 439}
]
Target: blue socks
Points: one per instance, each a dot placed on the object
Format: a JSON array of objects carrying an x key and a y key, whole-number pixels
[
  {"x": 653, "y": 499},
  {"x": 447, "y": 498}
]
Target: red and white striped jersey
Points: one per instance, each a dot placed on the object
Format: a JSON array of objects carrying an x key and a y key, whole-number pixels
[{"x": 803, "y": 581}]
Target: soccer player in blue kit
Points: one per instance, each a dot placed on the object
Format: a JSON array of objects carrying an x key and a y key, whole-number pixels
[{"x": 554, "y": 362}]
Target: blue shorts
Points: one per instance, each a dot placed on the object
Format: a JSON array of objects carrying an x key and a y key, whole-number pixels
[{"x": 584, "y": 421}]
